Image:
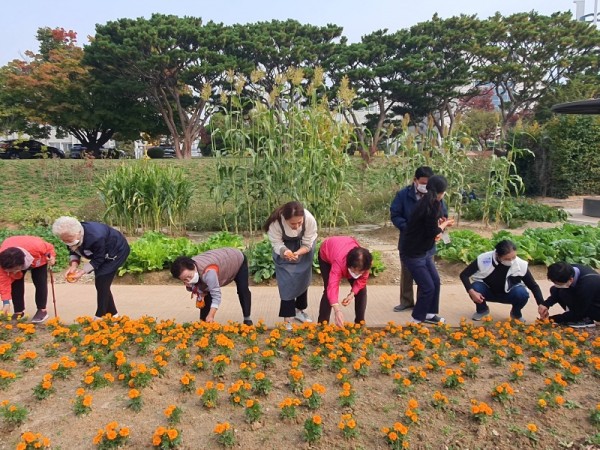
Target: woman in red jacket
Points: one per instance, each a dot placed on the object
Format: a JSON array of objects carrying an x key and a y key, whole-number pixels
[
  {"x": 343, "y": 257},
  {"x": 18, "y": 254}
]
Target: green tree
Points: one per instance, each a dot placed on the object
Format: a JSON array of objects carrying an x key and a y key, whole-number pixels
[
  {"x": 177, "y": 62},
  {"x": 267, "y": 51},
  {"x": 527, "y": 53},
  {"x": 373, "y": 68},
  {"x": 53, "y": 87}
]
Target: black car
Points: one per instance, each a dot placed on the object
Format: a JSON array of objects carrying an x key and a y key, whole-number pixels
[
  {"x": 28, "y": 148},
  {"x": 162, "y": 151},
  {"x": 79, "y": 151}
]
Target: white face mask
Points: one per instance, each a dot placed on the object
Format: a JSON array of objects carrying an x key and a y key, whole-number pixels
[
  {"x": 354, "y": 275},
  {"x": 422, "y": 188},
  {"x": 75, "y": 243},
  {"x": 506, "y": 263},
  {"x": 195, "y": 278}
]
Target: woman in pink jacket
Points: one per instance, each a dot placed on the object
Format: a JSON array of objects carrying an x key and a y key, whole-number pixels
[
  {"x": 343, "y": 257},
  {"x": 18, "y": 254}
]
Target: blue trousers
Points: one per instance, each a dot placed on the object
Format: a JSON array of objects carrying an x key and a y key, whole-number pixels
[
  {"x": 517, "y": 297},
  {"x": 428, "y": 285}
]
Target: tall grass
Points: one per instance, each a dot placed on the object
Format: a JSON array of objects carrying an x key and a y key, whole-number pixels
[
  {"x": 291, "y": 148},
  {"x": 144, "y": 196},
  {"x": 445, "y": 155}
]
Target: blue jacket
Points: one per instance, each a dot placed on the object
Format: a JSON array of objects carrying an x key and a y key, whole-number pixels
[
  {"x": 403, "y": 205},
  {"x": 106, "y": 248}
]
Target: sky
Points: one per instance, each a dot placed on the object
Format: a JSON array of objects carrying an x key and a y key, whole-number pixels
[{"x": 22, "y": 18}]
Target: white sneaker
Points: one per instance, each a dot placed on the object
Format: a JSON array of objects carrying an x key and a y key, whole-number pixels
[
  {"x": 288, "y": 326},
  {"x": 301, "y": 316}
]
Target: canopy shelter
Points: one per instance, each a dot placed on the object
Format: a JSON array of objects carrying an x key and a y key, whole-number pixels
[{"x": 579, "y": 107}]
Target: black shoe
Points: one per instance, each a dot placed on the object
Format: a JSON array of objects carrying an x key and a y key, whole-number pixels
[
  {"x": 17, "y": 316},
  {"x": 248, "y": 322},
  {"x": 399, "y": 308},
  {"x": 39, "y": 316},
  {"x": 586, "y": 322},
  {"x": 435, "y": 320}
]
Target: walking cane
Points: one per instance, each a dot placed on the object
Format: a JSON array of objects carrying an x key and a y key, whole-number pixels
[{"x": 53, "y": 294}]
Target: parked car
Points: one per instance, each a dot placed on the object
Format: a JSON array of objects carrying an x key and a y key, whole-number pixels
[
  {"x": 161, "y": 151},
  {"x": 79, "y": 151},
  {"x": 28, "y": 148},
  {"x": 169, "y": 151}
]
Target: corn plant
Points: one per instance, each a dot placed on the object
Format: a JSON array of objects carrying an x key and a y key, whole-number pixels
[
  {"x": 445, "y": 155},
  {"x": 503, "y": 183},
  {"x": 145, "y": 196},
  {"x": 292, "y": 148}
]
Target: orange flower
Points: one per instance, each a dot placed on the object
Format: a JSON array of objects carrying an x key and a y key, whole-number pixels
[
  {"x": 111, "y": 435},
  {"x": 134, "y": 393},
  {"x": 28, "y": 437},
  {"x": 317, "y": 420},
  {"x": 172, "y": 433}
]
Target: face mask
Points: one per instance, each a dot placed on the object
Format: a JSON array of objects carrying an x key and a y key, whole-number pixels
[
  {"x": 563, "y": 286},
  {"x": 354, "y": 275},
  {"x": 506, "y": 263},
  {"x": 195, "y": 278},
  {"x": 75, "y": 243},
  {"x": 422, "y": 188}
]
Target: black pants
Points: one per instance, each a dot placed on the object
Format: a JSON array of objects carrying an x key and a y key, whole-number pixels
[
  {"x": 287, "y": 308},
  {"x": 360, "y": 299},
  {"x": 243, "y": 292},
  {"x": 575, "y": 312},
  {"x": 104, "y": 297},
  {"x": 39, "y": 276}
]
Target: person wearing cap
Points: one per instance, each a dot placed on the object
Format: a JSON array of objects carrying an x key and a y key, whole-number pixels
[
  {"x": 19, "y": 254},
  {"x": 205, "y": 274}
]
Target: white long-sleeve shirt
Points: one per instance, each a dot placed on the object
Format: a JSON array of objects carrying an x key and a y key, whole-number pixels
[{"x": 275, "y": 233}]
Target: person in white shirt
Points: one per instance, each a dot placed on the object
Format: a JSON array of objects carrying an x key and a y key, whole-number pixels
[{"x": 292, "y": 231}]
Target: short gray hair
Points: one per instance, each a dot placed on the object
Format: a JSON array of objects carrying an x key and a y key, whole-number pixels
[{"x": 66, "y": 225}]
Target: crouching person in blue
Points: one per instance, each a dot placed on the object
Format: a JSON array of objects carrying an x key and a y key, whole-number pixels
[
  {"x": 500, "y": 276},
  {"x": 107, "y": 250},
  {"x": 205, "y": 274},
  {"x": 577, "y": 289}
]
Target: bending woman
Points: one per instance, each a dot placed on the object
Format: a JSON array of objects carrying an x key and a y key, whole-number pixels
[
  {"x": 292, "y": 231},
  {"x": 106, "y": 248}
]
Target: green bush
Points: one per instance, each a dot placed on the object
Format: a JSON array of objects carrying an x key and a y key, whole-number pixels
[
  {"x": 156, "y": 251},
  {"x": 568, "y": 242},
  {"x": 566, "y": 159},
  {"x": 146, "y": 196},
  {"x": 155, "y": 153},
  {"x": 260, "y": 261},
  {"x": 516, "y": 211}
]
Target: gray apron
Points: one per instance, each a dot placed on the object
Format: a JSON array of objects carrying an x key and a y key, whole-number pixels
[{"x": 293, "y": 277}]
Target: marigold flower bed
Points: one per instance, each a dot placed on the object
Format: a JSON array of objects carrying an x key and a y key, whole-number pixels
[{"x": 151, "y": 383}]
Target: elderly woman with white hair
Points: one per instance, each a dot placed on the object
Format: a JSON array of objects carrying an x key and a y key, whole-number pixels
[{"x": 104, "y": 247}]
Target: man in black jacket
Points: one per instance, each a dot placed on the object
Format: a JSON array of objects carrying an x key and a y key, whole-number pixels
[{"x": 577, "y": 289}]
